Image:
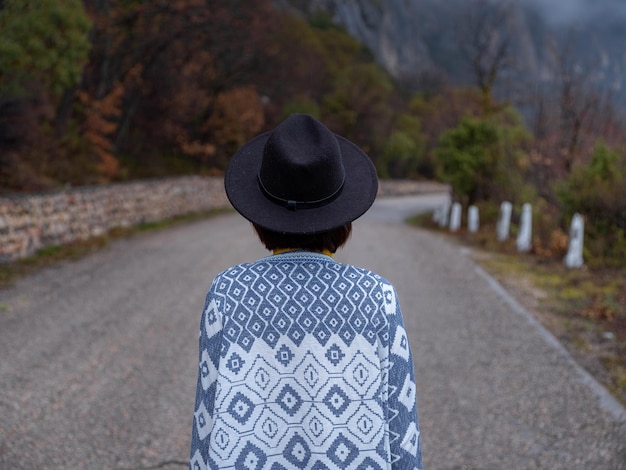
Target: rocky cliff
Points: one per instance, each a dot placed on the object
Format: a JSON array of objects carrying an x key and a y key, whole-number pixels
[{"x": 413, "y": 39}]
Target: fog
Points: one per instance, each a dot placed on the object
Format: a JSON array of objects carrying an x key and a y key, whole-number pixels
[{"x": 571, "y": 12}]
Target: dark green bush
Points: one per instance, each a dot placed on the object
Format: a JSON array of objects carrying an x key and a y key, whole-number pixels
[
  {"x": 482, "y": 158},
  {"x": 597, "y": 191}
]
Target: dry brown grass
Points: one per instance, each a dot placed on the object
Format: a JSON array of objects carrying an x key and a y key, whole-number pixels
[{"x": 584, "y": 308}]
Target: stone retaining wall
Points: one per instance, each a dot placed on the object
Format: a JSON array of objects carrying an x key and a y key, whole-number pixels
[{"x": 31, "y": 222}]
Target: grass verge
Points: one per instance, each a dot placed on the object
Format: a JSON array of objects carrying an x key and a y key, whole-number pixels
[{"x": 584, "y": 308}]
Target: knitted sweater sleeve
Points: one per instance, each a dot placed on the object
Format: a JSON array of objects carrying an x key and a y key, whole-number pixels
[
  {"x": 208, "y": 365},
  {"x": 404, "y": 433}
]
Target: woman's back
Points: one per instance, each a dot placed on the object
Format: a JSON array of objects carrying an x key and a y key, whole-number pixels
[{"x": 301, "y": 348}]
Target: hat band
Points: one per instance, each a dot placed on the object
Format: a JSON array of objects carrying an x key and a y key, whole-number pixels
[{"x": 295, "y": 205}]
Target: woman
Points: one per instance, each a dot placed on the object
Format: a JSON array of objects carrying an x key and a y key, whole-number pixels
[{"x": 304, "y": 362}]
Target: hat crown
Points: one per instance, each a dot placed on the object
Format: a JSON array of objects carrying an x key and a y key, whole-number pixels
[
  {"x": 301, "y": 163},
  {"x": 300, "y": 178}
]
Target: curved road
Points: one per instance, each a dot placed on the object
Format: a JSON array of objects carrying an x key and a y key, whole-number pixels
[{"x": 98, "y": 357}]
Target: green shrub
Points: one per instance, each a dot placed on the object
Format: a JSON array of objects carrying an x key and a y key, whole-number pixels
[
  {"x": 482, "y": 158},
  {"x": 46, "y": 41},
  {"x": 597, "y": 190},
  {"x": 404, "y": 149}
]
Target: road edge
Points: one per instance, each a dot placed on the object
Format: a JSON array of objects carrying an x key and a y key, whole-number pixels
[{"x": 606, "y": 400}]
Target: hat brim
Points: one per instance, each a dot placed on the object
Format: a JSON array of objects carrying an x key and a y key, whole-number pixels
[{"x": 244, "y": 193}]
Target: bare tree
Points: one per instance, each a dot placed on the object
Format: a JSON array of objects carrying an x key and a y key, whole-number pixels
[
  {"x": 580, "y": 100},
  {"x": 485, "y": 41},
  {"x": 570, "y": 111}
]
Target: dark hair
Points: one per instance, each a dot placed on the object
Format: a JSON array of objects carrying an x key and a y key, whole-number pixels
[{"x": 330, "y": 240}]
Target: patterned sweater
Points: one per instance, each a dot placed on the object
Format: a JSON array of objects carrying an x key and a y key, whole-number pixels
[{"x": 304, "y": 364}]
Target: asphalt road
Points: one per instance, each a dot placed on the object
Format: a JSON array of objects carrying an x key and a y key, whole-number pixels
[{"x": 98, "y": 357}]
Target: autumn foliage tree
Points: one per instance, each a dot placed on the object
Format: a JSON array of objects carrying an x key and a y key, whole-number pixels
[
  {"x": 43, "y": 48},
  {"x": 105, "y": 90},
  {"x": 173, "y": 86}
]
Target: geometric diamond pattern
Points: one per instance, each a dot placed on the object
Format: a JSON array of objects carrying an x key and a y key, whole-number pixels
[
  {"x": 369, "y": 464},
  {"x": 317, "y": 426},
  {"x": 271, "y": 336},
  {"x": 296, "y": 334},
  {"x": 401, "y": 344},
  {"x": 281, "y": 322},
  {"x": 347, "y": 334},
  {"x": 342, "y": 452},
  {"x": 390, "y": 300},
  {"x": 251, "y": 458},
  {"x": 224, "y": 440},
  {"x": 334, "y": 354},
  {"x": 313, "y": 374},
  {"x": 241, "y": 408},
  {"x": 297, "y": 452},
  {"x": 235, "y": 363},
  {"x": 256, "y": 325},
  {"x": 208, "y": 373},
  {"x": 322, "y": 333},
  {"x": 411, "y": 439},
  {"x": 360, "y": 375},
  {"x": 407, "y": 394},
  {"x": 197, "y": 462},
  {"x": 270, "y": 428},
  {"x": 367, "y": 423},
  {"x": 336, "y": 400},
  {"x": 203, "y": 421},
  {"x": 304, "y": 363},
  {"x": 289, "y": 400},
  {"x": 308, "y": 321},
  {"x": 284, "y": 355},
  {"x": 262, "y": 376}
]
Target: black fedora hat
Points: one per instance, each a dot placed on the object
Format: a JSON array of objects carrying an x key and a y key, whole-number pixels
[{"x": 300, "y": 178}]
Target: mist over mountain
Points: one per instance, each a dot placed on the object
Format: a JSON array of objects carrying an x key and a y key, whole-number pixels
[
  {"x": 565, "y": 13},
  {"x": 420, "y": 39}
]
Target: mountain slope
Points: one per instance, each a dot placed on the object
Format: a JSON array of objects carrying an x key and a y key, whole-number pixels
[{"x": 418, "y": 38}]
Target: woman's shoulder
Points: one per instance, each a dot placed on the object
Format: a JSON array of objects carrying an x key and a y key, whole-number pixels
[
  {"x": 274, "y": 268},
  {"x": 365, "y": 273}
]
